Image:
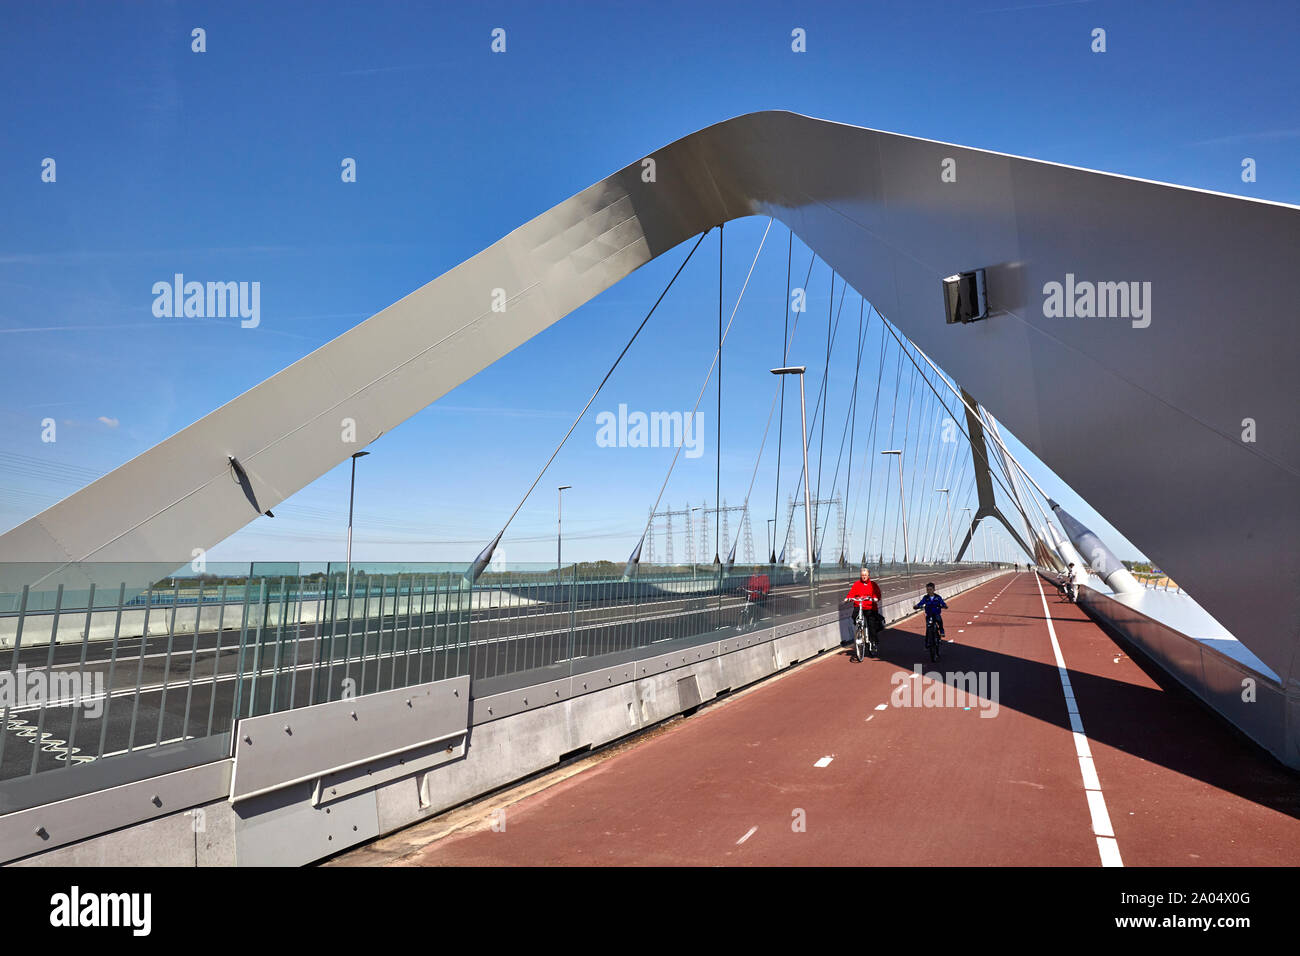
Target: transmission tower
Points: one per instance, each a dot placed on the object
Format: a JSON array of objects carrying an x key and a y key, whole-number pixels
[
  {"x": 790, "y": 535},
  {"x": 668, "y": 538},
  {"x": 748, "y": 534}
]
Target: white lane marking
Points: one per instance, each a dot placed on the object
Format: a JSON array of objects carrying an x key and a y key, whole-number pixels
[
  {"x": 1109, "y": 851},
  {"x": 824, "y": 762},
  {"x": 1100, "y": 818},
  {"x": 882, "y": 707},
  {"x": 1107, "y": 845},
  {"x": 746, "y": 836},
  {"x": 869, "y": 718},
  {"x": 1090, "y": 781},
  {"x": 961, "y": 630}
]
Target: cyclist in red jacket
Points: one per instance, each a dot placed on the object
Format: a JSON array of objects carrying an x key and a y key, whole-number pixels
[{"x": 865, "y": 593}]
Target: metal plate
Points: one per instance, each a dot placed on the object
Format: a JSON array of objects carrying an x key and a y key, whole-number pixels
[
  {"x": 43, "y": 828},
  {"x": 278, "y": 750}
]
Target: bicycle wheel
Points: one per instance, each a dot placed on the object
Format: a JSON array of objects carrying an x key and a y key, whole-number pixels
[{"x": 932, "y": 642}]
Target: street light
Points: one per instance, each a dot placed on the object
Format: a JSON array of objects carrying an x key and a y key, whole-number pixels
[
  {"x": 966, "y": 511},
  {"x": 559, "y": 515},
  {"x": 351, "y": 496},
  {"x": 903, "y": 506},
  {"x": 807, "y": 501},
  {"x": 948, "y": 504}
]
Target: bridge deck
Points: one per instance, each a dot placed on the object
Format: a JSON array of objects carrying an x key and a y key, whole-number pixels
[{"x": 910, "y": 785}]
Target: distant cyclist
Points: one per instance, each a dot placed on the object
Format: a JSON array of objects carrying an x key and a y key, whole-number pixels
[
  {"x": 865, "y": 594},
  {"x": 1072, "y": 584},
  {"x": 934, "y": 607}
]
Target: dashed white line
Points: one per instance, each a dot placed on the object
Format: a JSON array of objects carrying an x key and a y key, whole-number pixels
[
  {"x": 749, "y": 834},
  {"x": 824, "y": 762}
]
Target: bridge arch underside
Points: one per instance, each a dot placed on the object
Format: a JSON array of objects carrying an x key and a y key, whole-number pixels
[{"x": 1143, "y": 418}]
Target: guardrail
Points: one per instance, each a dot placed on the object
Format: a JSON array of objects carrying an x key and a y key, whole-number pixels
[
  {"x": 294, "y": 786},
  {"x": 1156, "y": 582},
  {"x": 105, "y": 686}
]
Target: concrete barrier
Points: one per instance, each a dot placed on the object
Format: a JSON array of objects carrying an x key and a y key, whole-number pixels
[{"x": 509, "y": 736}]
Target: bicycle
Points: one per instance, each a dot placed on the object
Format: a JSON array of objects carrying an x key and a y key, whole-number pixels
[
  {"x": 864, "y": 634},
  {"x": 750, "y": 610},
  {"x": 933, "y": 638},
  {"x": 1069, "y": 591}
]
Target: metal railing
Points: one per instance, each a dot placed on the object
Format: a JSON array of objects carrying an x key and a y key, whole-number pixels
[
  {"x": 1155, "y": 581},
  {"x": 99, "y": 674}
]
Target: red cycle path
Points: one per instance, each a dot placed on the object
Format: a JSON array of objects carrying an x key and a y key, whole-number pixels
[{"x": 738, "y": 783}]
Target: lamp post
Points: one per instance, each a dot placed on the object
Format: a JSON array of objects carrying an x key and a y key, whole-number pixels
[
  {"x": 966, "y": 511},
  {"x": 691, "y": 531},
  {"x": 559, "y": 525},
  {"x": 948, "y": 505},
  {"x": 902, "y": 504},
  {"x": 352, "y": 491},
  {"x": 807, "y": 501}
]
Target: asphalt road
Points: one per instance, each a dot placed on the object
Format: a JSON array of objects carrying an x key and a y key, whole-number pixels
[{"x": 826, "y": 766}]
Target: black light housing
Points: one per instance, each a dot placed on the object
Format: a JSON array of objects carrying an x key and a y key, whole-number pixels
[{"x": 965, "y": 297}]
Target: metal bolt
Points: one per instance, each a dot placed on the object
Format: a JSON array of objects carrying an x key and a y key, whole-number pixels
[
  {"x": 288, "y": 730},
  {"x": 156, "y": 801},
  {"x": 248, "y": 740},
  {"x": 40, "y": 832}
]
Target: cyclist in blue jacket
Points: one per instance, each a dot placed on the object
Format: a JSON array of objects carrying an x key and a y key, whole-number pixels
[{"x": 934, "y": 606}]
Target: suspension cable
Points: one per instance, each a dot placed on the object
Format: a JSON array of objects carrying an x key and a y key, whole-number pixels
[
  {"x": 636, "y": 553},
  {"x": 481, "y": 561}
]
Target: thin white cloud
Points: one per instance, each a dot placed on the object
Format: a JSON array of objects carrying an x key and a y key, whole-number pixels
[
  {"x": 1263, "y": 136},
  {"x": 1035, "y": 6},
  {"x": 504, "y": 412},
  {"x": 110, "y": 422},
  {"x": 382, "y": 69}
]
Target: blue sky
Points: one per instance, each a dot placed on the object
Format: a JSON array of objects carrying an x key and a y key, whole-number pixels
[{"x": 225, "y": 165}]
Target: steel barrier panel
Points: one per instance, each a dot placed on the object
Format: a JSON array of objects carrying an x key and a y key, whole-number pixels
[
  {"x": 289, "y": 747},
  {"x": 25, "y": 832}
]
